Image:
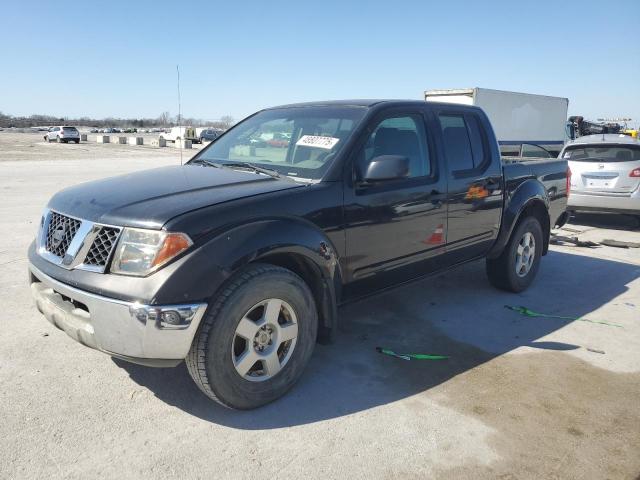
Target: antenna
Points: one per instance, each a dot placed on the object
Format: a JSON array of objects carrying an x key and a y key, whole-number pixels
[{"x": 179, "y": 114}]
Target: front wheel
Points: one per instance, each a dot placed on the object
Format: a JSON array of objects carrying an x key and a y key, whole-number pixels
[
  {"x": 256, "y": 338},
  {"x": 517, "y": 266}
]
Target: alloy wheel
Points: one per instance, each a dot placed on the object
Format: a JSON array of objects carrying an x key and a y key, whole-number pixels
[{"x": 264, "y": 340}]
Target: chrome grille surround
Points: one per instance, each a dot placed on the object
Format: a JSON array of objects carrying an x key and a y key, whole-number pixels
[{"x": 74, "y": 243}]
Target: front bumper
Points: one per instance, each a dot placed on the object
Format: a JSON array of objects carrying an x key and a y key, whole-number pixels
[
  {"x": 616, "y": 203},
  {"x": 154, "y": 335}
]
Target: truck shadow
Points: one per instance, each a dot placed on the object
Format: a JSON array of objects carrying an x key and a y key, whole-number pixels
[{"x": 456, "y": 314}]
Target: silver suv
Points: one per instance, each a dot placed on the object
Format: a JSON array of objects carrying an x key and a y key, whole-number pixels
[
  {"x": 605, "y": 174},
  {"x": 62, "y": 134}
]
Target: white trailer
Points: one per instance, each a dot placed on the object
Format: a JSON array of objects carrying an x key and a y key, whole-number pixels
[{"x": 522, "y": 121}]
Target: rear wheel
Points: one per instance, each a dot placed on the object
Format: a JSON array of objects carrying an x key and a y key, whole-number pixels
[
  {"x": 256, "y": 338},
  {"x": 77, "y": 141},
  {"x": 517, "y": 266}
]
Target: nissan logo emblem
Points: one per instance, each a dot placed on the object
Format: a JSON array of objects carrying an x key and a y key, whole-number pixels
[{"x": 58, "y": 235}]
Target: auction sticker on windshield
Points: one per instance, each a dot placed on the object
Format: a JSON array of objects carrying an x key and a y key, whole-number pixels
[{"x": 317, "y": 141}]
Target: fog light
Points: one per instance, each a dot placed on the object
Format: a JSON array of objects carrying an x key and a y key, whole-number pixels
[
  {"x": 171, "y": 317},
  {"x": 139, "y": 313}
]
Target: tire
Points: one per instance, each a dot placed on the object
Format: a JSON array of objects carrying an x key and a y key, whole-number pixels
[
  {"x": 77, "y": 141},
  {"x": 508, "y": 273},
  {"x": 218, "y": 347}
]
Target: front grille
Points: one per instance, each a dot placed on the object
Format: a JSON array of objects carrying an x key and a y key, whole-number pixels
[
  {"x": 102, "y": 246},
  {"x": 61, "y": 231}
]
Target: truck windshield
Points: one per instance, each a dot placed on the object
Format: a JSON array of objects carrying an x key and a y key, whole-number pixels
[
  {"x": 603, "y": 153},
  {"x": 298, "y": 142}
]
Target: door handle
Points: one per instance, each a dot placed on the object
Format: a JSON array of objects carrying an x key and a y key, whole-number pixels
[
  {"x": 491, "y": 184},
  {"x": 435, "y": 200}
]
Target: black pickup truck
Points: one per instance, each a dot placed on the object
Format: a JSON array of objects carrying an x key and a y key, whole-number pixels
[{"x": 237, "y": 261}]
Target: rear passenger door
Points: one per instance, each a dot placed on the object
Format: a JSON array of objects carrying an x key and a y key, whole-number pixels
[{"x": 474, "y": 172}]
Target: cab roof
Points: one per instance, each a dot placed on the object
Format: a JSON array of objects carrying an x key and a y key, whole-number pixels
[{"x": 352, "y": 103}]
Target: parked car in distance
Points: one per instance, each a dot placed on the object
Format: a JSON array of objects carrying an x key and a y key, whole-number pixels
[
  {"x": 279, "y": 141},
  {"x": 62, "y": 135},
  {"x": 605, "y": 174},
  {"x": 209, "y": 135},
  {"x": 237, "y": 261}
]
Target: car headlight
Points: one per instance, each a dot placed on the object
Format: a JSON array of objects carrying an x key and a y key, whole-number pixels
[{"x": 141, "y": 252}]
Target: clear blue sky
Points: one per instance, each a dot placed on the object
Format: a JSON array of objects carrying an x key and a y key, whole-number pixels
[{"x": 118, "y": 58}]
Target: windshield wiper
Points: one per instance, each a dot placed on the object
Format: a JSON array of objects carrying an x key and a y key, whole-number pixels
[
  {"x": 249, "y": 166},
  {"x": 235, "y": 165},
  {"x": 202, "y": 161}
]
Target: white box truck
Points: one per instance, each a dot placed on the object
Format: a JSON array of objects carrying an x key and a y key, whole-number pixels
[{"x": 522, "y": 122}]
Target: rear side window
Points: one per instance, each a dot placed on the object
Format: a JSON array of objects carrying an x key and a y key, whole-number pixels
[
  {"x": 464, "y": 141},
  {"x": 478, "y": 144}
]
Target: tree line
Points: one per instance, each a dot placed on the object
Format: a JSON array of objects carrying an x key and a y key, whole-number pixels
[{"x": 164, "y": 120}]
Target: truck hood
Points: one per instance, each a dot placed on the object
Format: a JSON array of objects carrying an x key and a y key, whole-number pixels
[{"x": 149, "y": 198}]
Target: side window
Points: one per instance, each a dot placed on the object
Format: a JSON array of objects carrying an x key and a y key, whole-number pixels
[
  {"x": 456, "y": 142},
  {"x": 478, "y": 143},
  {"x": 404, "y": 135},
  {"x": 464, "y": 141}
]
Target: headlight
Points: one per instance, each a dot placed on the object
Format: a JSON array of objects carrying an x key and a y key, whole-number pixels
[{"x": 141, "y": 252}]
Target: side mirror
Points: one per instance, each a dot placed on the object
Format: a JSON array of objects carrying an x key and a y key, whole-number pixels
[{"x": 387, "y": 167}]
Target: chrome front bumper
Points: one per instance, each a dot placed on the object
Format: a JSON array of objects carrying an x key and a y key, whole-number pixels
[{"x": 155, "y": 335}]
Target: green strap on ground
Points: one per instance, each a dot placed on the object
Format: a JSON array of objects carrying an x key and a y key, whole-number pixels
[
  {"x": 410, "y": 356},
  {"x": 530, "y": 313}
]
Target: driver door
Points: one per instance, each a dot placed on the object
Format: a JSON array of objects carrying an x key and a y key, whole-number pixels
[{"x": 395, "y": 229}]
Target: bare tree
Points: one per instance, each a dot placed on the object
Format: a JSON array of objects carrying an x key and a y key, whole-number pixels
[
  {"x": 227, "y": 121},
  {"x": 164, "y": 119}
]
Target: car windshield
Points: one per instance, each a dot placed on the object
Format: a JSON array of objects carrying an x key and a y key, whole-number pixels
[
  {"x": 299, "y": 142},
  {"x": 603, "y": 153}
]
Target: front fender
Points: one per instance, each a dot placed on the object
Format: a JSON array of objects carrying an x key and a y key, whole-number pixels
[
  {"x": 524, "y": 196},
  {"x": 224, "y": 254},
  {"x": 257, "y": 240}
]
